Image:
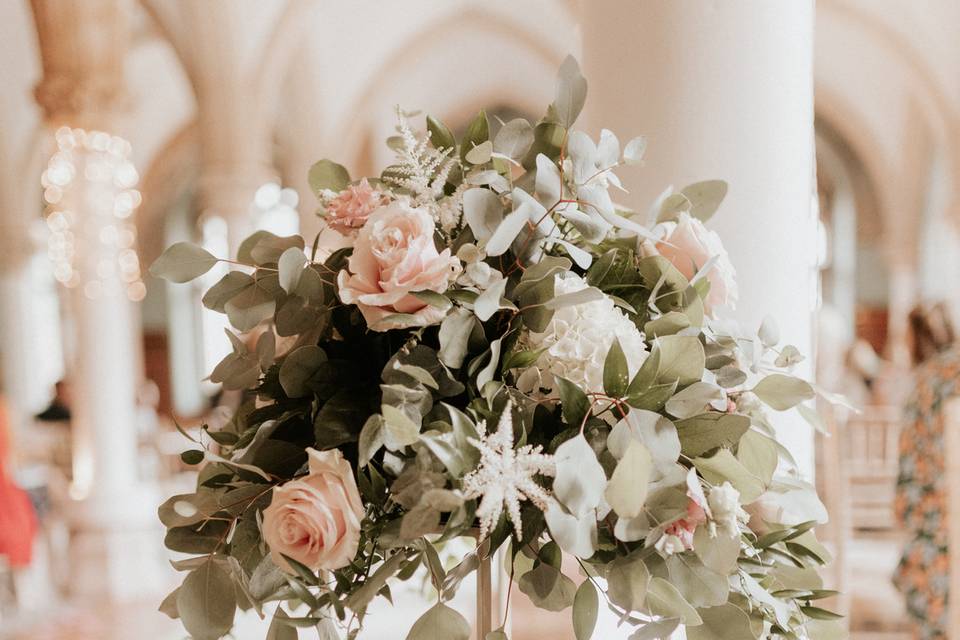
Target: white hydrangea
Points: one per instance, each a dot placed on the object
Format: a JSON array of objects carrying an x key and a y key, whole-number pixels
[{"x": 577, "y": 340}]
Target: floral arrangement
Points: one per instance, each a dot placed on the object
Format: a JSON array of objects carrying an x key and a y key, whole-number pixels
[{"x": 501, "y": 352}]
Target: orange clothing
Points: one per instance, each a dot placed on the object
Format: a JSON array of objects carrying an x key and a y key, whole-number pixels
[{"x": 18, "y": 520}]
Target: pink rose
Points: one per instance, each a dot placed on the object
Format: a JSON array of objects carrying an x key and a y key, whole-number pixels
[
  {"x": 689, "y": 245},
  {"x": 315, "y": 519},
  {"x": 350, "y": 208},
  {"x": 393, "y": 256},
  {"x": 678, "y": 535}
]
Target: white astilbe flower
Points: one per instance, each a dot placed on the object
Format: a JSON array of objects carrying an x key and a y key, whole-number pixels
[
  {"x": 505, "y": 476},
  {"x": 577, "y": 340},
  {"x": 421, "y": 169},
  {"x": 449, "y": 210}
]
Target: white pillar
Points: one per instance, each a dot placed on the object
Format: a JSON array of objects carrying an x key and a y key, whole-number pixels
[
  {"x": 31, "y": 359},
  {"x": 114, "y": 529},
  {"x": 723, "y": 90}
]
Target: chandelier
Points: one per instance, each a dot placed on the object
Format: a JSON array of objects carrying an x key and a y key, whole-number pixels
[{"x": 89, "y": 189}]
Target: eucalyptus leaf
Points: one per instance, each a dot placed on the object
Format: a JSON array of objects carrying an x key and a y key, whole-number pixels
[
  {"x": 723, "y": 466},
  {"x": 699, "y": 585},
  {"x": 705, "y": 197},
  {"x": 581, "y": 296},
  {"x": 169, "y": 605},
  {"x": 782, "y": 392},
  {"x": 580, "y": 480},
  {"x": 571, "y": 92},
  {"x": 707, "y": 431},
  {"x": 290, "y": 267},
  {"x": 480, "y": 154},
  {"x": 548, "y": 588},
  {"x": 577, "y": 535},
  {"x": 440, "y": 621},
  {"x": 573, "y": 401},
  {"x": 280, "y": 628},
  {"x": 633, "y": 151},
  {"x": 694, "y": 399},
  {"x": 586, "y": 605},
  {"x": 726, "y": 622},
  {"x": 514, "y": 138},
  {"x": 665, "y": 600},
  {"x": 440, "y": 135},
  {"x": 627, "y": 579},
  {"x": 299, "y": 367},
  {"x": 485, "y": 375},
  {"x": 478, "y": 132},
  {"x": 251, "y": 306},
  {"x": 231, "y": 284},
  {"x": 206, "y": 602},
  {"x": 789, "y": 356},
  {"x": 183, "y": 262},
  {"x": 454, "y": 336},
  {"x": 489, "y": 302},
  {"x": 717, "y": 552},
  {"x": 616, "y": 377},
  {"x": 658, "y": 434},
  {"x": 657, "y": 630},
  {"x": 360, "y": 597},
  {"x": 627, "y": 490},
  {"x": 681, "y": 359},
  {"x": 483, "y": 212},
  {"x": 399, "y": 430},
  {"x": 758, "y": 453},
  {"x": 769, "y": 333},
  {"x": 506, "y": 232},
  {"x": 326, "y": 174}
]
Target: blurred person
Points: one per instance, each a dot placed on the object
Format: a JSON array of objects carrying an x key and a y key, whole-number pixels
[
  {"x": 18, "y": 520},
  {"x": 59, "y": 408},
  {"x": 922, "y": 575}
]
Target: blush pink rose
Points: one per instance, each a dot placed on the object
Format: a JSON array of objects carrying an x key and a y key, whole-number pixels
[
  {"x": 315, "y": 519},
  {"x": 678, "y": 535},
  {"x": 395, "y": 255},
  {"x": 349, "y": 209},
  {"x": 689, "y": 245}
]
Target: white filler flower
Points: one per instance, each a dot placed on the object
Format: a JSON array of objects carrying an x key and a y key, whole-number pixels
[
  {"x": 578, "y": 338},
  {"x": 724, "y": 501},
  {"x": 505, "y": 476}
]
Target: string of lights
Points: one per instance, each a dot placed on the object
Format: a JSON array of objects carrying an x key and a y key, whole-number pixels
[{"x": 89, "y": 187}]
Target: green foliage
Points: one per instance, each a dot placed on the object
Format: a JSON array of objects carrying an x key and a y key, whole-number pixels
[
  {"x": 440, "y": 621},
  {"x": 615, "y": 375},
  {"x": 548, "y": 588},
  {"x": 182, "y": 262},
  {"x": 206, "y": 603},
  {"x": 409, "y": 408},
  {"x": 478, "y": 132},
  {"x": 327, "y": 175}
]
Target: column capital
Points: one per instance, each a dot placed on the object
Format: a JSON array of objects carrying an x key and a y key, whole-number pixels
[{"x": 82, "y": 47}]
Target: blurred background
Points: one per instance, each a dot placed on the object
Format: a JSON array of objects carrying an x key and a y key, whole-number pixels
[{"x": 837, "y": 126}]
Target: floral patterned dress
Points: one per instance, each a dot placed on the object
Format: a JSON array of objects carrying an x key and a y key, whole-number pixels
[{"x": 923, "y": 573}]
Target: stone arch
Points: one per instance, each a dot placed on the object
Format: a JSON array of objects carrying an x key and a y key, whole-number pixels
[
  {"x": 521, "y": 93},
  {"x": 939, "y": 116},
  {"x": 172, "y": 171}
]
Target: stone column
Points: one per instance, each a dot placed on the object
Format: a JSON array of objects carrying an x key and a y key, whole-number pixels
[
  {"x": 22, "y": 374},
  {"x": 723, "y": 90},
  {"x": 115, "y": 532},
  {"x": 903, "y": 288}
]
